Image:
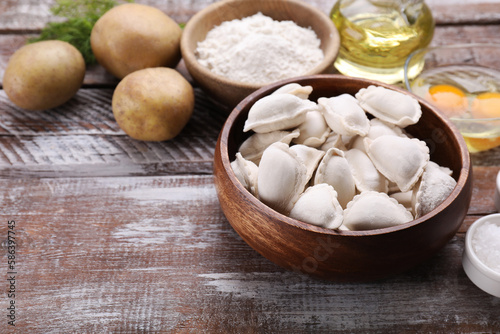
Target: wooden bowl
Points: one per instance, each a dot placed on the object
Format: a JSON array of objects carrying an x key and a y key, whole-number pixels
[
  {"x": 229, "y": 92},
  {"x": 344, "y": 255}
]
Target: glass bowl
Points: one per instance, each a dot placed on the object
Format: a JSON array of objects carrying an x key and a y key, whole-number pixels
[{"x": 463, "y": 82}]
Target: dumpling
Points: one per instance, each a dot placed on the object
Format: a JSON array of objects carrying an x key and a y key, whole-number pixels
[
  {"x": 380, "y": 128},
  {"x": 277, "y": 112},
  {"x": 389, "y": 105},
  {"x": 365, "y": 175},
  {"x": 344, "y": 115},
  {"x": 435, "y": 186},
  {"x": 318, "y": 205},
  {"x": 335, "y": 171},
  {"x": 404, "y": 198},
  {"x": 282, "y": 177},
  {"x": 295, "y": 89},
  {"x": 314, "y": 130},
  {"x": 333, "y": 140},
  {"x": 399, "y": 159},
  {"x": 358, "y": 142},
  {"x": 310, "y": 156},
  {"x": 246, "y": 172},
  {"x": 372, "y": 210},
  {"x": 252, "y": 148}
]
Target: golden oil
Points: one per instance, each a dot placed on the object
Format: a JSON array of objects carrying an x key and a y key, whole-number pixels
[{"x": 378, "y": 35}]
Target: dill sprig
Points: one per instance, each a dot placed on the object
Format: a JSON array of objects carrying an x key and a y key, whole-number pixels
[{"x": 81, "y": 15}]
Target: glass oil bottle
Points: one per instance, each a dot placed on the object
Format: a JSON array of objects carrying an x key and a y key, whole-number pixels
[{"x": 378, "y": 35}]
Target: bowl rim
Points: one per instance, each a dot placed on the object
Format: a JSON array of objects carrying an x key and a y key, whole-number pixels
[
  {"x": 469, "y": 249},
  {"x": 465, "y": 170},
  {"x": 329, "y": 55},
  {"x": 406, "y": 79}
]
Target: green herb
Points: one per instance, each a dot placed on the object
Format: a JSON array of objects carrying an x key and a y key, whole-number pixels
[{"x": 81, "y": 15}]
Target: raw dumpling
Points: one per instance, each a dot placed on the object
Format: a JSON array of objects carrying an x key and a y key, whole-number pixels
[
  {"x": 318, "y": 205},
  {"x": 389, "y": 105},
  {"x": 344, "y": 115},
  {"x": 335, "y": 171},
  {"x": 282, "y": 177},
  {"x": 435, "y": 186},
  {"x": 365, "y": 175},
  {"x": 372, "y": 210},
  {"x": 278, "y": 112},
  {"x": 309, "y": 156},
  {"x": 380, "y": 128},
  {"x": 314, "y": 130},
  {"x": 246, "y": 172},
  {"x": 252, "y": 148},
  {"x": 295, "y": 89},
  {"x": 358, "y": 142},
  {"x": 399, "y": 159},
  {"x": 333, "y": 140},
  {"x": 404, "y": 198}
]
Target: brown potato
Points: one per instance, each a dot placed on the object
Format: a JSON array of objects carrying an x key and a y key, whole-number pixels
[
  {"x": 132, "y": 37},
  {"x": 153, "y": 104},
  {"x": 43, "y": 75}
]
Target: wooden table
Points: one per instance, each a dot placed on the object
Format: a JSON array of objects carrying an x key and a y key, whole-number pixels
[{"x": 118, "y": 235}]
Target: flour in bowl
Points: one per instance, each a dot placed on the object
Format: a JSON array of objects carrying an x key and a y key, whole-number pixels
[{"x": 259, "y": 50}]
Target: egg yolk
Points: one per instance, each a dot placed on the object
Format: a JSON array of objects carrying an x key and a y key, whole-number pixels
[
  {"x": 449, "y": 99},
  {"x": 486, "y": 105}
]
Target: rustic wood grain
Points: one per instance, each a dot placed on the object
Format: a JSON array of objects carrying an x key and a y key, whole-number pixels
[
  {"x": 32, "y": 15},
  {"x": 96, "y": 76},
  {"x": 144, "y": 254},
  {"x": 121, "y": 236},
  {"x": 85, "y": 125},
  {"x": 81, "y": 138}
]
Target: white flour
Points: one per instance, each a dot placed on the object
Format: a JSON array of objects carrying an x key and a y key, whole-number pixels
[{"x": 259, "y": 50}]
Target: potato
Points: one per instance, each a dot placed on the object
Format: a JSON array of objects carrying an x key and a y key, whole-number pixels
[
  {"x": 43, "y": 75},
  {"x": 153, "y": 104},
  {"x": 131, "y": 37}
]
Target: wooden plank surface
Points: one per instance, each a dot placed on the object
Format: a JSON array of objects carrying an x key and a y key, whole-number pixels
[
  {"x": 32, "y": 15},
  {"x": 122, "y": 236},
  {"x": 81, "y": 138},
  {"x": 155, "y": 253},
  {"x": 85, "y": 139}
]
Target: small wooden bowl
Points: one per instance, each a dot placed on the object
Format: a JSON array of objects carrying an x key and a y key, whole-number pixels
[
  {"x": 229, "y": 92},
  {"x": 344, "y": 255}
]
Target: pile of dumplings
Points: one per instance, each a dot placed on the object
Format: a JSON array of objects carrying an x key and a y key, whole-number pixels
[{"x": 330, "y": 164}]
